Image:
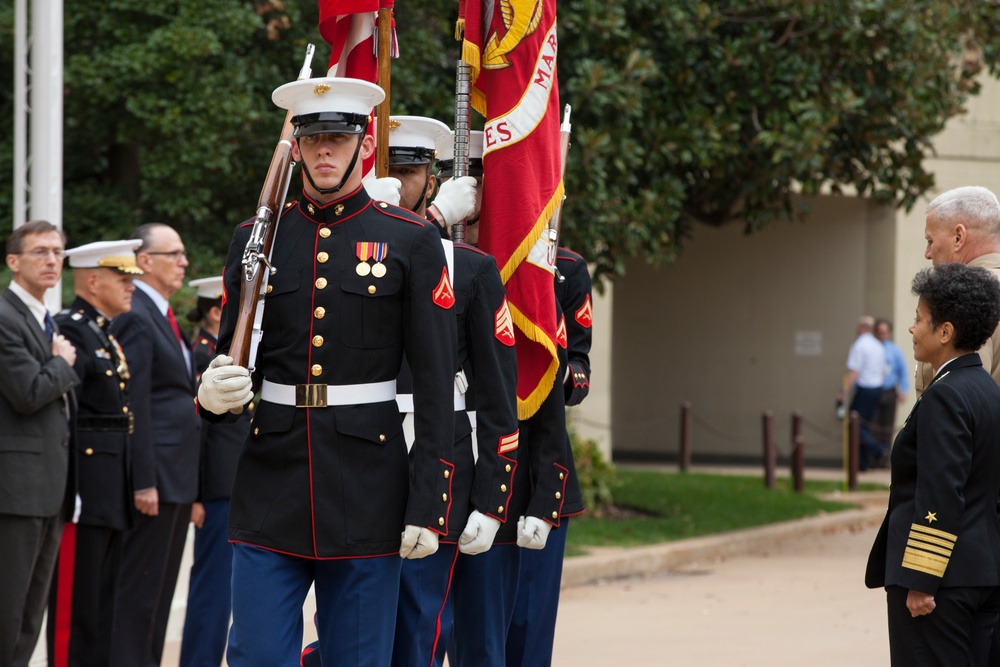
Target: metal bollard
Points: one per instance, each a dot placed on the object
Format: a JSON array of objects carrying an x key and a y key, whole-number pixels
[
  {"x": 853, "y": 451},
  {"x": 798, "y": 454},
  {"x": 684, "y": 449},
  {"x": 770, "y": 450}
]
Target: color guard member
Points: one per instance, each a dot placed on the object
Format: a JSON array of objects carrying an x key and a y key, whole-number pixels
[
  {"x": 324, "y": 486},
  {"x": 532, "y": 631},
  {"x": 486, "y": 367}
]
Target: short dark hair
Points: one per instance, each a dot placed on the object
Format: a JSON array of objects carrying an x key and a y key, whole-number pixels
[
  {"x": 201, "y": 308},
  {"x": 880, "y": 321},
  {"x": 15, "y": 242},
  {"x": 966, "y": 296}
]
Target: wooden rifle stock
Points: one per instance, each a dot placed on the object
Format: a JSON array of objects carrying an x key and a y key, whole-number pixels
[{"x": 265, "y": 225}]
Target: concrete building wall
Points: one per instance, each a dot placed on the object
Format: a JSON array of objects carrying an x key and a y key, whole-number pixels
[{"x": 742, "y": 324}]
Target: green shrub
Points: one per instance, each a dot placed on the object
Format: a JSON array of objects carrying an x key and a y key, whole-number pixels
[{"x": 596, "y": 474}]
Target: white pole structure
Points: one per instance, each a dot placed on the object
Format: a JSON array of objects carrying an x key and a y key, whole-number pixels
[
  {"x": 20, "y": 112},
  {"x": 39, "y": 195}
]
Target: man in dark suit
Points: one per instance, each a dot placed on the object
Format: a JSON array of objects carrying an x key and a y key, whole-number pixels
[
  {"x": 83, "y": 589},
  {"x": 35, "y": 409},
  {"x": 165, "y": 449}
]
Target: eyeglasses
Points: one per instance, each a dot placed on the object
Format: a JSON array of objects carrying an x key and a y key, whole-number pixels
[
  {"x": 42, "y": 253},
  {"x": 175, "y": 255}
]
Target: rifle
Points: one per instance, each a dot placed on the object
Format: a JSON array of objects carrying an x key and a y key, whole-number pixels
[
  {"x": 564, "y": 132},
  {"x": 243, "y": 348}
]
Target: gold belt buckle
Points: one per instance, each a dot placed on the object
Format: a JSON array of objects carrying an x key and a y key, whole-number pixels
[{"x": 310, "y": 395}]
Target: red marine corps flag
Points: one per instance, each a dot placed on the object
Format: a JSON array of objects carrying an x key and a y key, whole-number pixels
[
  {"x": 350, "y": 27},
  {"x": 511, "y": 48}
]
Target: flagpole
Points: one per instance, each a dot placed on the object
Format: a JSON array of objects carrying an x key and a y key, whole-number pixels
[
  {"x": 384, "y": 67},
  {"x": 463, "y": 115}
]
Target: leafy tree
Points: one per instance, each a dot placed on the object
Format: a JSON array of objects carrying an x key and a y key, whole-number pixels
[
  {"x": 711, "y": 112},
  {"x": 684, "y": 112},
  {"x": 168, "y": 114}
]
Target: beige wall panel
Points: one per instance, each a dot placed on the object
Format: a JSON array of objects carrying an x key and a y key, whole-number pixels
[{"x": 743, "y": 324}]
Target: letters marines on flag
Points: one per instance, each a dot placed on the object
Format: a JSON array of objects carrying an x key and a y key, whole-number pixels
[{"x": 511, "y": 47}]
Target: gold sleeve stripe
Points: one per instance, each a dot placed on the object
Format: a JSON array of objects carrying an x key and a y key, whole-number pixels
[
  {"x": 508, "y": 443},
  {"x": 933, "y": 531},
  {"x": 924, "y": 562},
  {"x": 917, "y": 544},
  {"x": 947, "y": 544}
]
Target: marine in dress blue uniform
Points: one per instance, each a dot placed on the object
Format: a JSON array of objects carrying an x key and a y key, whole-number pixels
[
  {"x": 83, "y": 590},
  {"x": 532, "y": 630},
  {"x": 209, "y": 602},
  {"x": 486, "y": 366},
  {"x": 322, "y": 493}
]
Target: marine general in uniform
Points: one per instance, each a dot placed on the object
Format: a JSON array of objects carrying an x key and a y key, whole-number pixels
[{"x": 83, "y": 591}]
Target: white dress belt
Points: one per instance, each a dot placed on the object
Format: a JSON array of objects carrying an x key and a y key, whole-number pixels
[
  {"x": 405, "y": 402},
  {"x": 323, "y": 395}
]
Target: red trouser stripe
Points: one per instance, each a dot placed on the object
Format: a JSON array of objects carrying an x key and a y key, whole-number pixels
[
  {"x": 447, "y": 592},
  {"x": 64, "y": 596}
]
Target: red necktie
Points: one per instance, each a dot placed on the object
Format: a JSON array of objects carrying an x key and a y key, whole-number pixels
[{"x": 174, "y": 326}]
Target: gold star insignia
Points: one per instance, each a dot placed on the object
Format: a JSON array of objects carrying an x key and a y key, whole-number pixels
[{"x": 931, "y": 517}]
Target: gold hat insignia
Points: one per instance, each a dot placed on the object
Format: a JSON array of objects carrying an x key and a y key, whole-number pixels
[{"x": 321, "y": 89}]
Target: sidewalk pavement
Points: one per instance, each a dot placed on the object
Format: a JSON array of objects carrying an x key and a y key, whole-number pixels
[{"x": 784, "y": 594}]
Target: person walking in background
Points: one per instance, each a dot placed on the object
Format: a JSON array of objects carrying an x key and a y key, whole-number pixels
[
  {"x": 209, "y": 602},
  {"x": 36, "y": 409},
  {"x": 165, "y": 448},
  {"x": 864, "y": 379},
  {"x": 937, "y": 553},
  {"x": 81, "y": 606},
  {"x": 894, "y": 387}
]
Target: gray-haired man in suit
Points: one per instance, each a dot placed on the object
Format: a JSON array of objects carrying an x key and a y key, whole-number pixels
[
  {"x": 165, "y": 448},
  {"x": 35, "y": 411}
]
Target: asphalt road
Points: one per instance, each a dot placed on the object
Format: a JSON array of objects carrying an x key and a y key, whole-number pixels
[
  {"x": 801, "y": 603},
  {"x": 779, "y": 597}
]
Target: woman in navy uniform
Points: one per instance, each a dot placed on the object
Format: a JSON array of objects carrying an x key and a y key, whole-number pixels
[
  {"x": 83, "y": 592},
  {"x": 937, "y": 552},
  {"x": 324, "y": 487}
]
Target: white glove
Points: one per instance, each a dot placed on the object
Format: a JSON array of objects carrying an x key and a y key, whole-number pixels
[
  {"x": 532, "y": 533},
  {"x": 383, "y": 189},
  {"x": 456, "y": 199},
  {"x": 478, "y": 534},
  {"x": 224, "y": 386},
  {"x": 418, "y": 542}
]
